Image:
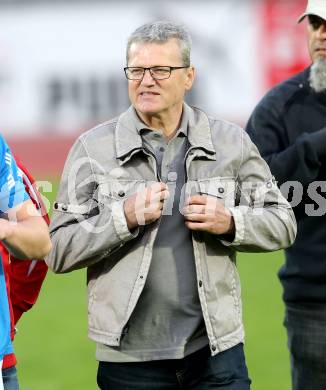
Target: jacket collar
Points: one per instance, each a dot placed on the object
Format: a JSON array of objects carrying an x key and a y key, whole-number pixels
[
  {"x": 128, "y": 140},
  {"x": 199, "y": 131}
]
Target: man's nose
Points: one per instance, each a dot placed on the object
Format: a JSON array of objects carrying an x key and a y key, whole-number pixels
[
  {"x": 147, "y": 78},
  {"x": 321, "y": 32}
]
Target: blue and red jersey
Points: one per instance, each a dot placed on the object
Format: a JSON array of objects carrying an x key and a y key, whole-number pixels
[
  {"x": 23, "y": 278},
  {"x": 12, "y": 193}
]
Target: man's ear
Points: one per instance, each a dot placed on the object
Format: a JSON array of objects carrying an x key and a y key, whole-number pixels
[{"x": 190, "y": 77}]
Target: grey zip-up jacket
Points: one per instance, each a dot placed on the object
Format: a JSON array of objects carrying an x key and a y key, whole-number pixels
[{"x": 109, "y": 163}]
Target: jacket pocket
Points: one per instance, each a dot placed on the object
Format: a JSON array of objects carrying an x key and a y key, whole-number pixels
[
  {"x": 223, "y": 188},
  {"x": 119, "y": 189}
]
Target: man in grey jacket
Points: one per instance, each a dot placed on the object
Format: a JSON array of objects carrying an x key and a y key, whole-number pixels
[{"x": 155, "y": 203}]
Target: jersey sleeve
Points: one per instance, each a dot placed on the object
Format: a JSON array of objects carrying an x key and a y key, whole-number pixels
[{"x": 12, "y": 189}]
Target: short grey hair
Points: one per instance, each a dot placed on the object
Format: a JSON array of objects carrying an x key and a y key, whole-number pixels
[{"x": 160, "y": 32}]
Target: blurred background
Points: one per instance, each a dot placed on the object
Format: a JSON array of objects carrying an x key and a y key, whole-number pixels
[{"x": 61, "y": 73}]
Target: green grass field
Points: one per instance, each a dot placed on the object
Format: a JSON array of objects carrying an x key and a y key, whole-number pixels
[{"x": 55, "y": 354}]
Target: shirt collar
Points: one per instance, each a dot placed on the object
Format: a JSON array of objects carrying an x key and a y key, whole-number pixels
[{"x": 194, "y": 124}]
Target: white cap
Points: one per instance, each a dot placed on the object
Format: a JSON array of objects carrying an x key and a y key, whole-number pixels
[{"x": 315, "y": 7}]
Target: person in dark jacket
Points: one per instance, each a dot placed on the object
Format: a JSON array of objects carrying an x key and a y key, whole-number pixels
[{"x": 289, "y": 128}]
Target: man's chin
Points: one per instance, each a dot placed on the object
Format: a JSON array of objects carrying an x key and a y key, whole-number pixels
[
  {"x": 317, "y": 77},
  {"x": 148, "y": 109},
  {"x": 320, "y": 58}
]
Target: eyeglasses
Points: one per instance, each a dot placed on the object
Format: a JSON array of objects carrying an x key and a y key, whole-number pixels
[{"x": 157, "y": 72}]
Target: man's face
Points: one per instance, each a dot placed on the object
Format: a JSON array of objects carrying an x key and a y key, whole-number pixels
[
  {"x": 317, "y": 37},
  {"x": 155, "y": 97}
]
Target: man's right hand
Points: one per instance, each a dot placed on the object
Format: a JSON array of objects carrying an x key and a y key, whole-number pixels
[{"x": 145, "y": 206}]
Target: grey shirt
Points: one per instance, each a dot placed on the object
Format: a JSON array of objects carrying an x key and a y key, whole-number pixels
[{"x": 167, "y": 322}]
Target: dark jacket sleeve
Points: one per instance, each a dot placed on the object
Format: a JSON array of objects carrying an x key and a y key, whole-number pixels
[{"x": 296, "y": 161}]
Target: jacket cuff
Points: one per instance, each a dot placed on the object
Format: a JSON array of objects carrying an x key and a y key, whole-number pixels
[
  {"x": 239, "y": 226},
  {"x": 120, "y": 223}
]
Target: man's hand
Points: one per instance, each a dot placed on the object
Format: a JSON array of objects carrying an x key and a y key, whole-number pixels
[
  {"x": 145, "y": 206},
  {"x": 25, "y": 233},
  {"x": 206, "y": 213}
]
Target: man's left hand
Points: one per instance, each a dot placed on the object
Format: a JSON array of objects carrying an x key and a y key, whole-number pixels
[{"x": 206, "y": 213}]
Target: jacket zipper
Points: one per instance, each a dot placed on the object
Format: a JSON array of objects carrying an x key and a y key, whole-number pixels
[
  {"x": 157, "y": 174},
  {"x": 206, "y": 320},
  {"x": 185, "y": 161},
  {"x": 151, "y": 154}
]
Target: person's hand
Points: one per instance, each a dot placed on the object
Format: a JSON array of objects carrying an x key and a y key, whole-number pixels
[
  {"x": 145, "y": 206},
  {"x": 206, "y": 213}
]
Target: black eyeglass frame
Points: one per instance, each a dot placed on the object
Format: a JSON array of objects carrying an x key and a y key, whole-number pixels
[{"x": 171, "y": 68}]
